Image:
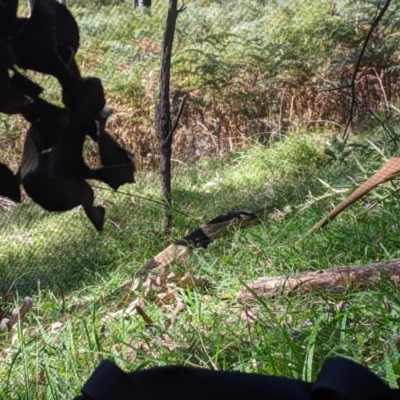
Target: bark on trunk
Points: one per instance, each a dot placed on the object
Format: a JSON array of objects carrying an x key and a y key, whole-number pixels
[
  {"x": 334, "y": 279},
  {"x": 163, "y": 116}
]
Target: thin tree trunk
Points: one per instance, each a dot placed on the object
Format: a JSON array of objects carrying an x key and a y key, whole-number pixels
[
  {"x": 163, "y": 116},
  {"x": 333, "y": 279}
]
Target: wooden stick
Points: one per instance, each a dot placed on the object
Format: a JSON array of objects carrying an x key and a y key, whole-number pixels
[
  {"x": 335, "y": 279},
  {"x": 384, "y": 174},
  {"x": 18, "y": 313}
]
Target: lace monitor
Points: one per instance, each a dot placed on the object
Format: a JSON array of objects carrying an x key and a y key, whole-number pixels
[{"x": 199, "y": 238}]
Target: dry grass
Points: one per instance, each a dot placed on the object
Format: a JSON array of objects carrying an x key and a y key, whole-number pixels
[{"x": 242, "y": 85}]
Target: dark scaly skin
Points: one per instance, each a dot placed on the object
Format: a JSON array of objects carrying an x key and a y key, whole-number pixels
[{"x": 200, "y": 238}]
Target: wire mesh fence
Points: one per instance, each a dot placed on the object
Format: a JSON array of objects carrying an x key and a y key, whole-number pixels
[
  {"x": 32, "y": 258},
  {"x": 121, "y": 45},
  {"x": 38, "y": 249},
  {"x": 56, "y": 251}
]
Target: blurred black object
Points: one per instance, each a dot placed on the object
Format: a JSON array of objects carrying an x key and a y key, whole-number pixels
[
  {"x": 53, "y": 171},
  {"x": 339, "y": 379}
]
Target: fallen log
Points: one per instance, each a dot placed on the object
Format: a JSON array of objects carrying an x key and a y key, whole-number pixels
[{"x": 335, "y": 279}]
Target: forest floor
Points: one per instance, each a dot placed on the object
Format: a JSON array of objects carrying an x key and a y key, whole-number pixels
[
  {"x": 73, "y": 272},
  {"x": 256, "y": 134}
]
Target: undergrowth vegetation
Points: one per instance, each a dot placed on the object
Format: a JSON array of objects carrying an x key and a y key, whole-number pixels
[
  {"x": 253, "y": 72},
  {"x": 79, "y": 319},
  {"x": 250, "y": 69}
]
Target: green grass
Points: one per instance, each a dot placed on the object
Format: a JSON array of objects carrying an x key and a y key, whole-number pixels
[
  {"x": 73, "y": 271},
  {"x": 251, "y": 70}
]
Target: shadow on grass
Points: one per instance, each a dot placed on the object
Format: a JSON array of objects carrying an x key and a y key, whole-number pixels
[
  {"x": 56, "y": 251},
  {"x": 46, "y": 250}
]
